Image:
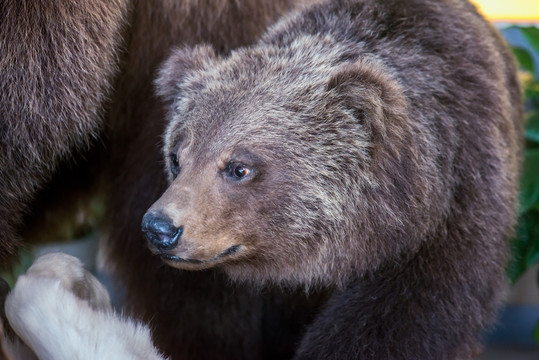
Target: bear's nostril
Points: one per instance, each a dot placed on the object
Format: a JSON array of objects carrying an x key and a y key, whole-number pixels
[{"x": 160, "y": 231}]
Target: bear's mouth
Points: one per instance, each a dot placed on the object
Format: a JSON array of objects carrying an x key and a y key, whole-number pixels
[{"x": 177, "y": 259}]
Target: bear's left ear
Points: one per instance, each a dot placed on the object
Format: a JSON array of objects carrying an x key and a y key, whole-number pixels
[
  {"x": 173, "y": 71},
  {"x": 374, "y": 97}
]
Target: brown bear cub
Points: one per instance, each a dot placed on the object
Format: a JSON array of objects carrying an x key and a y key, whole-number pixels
[{"x": 369, "y": 148}]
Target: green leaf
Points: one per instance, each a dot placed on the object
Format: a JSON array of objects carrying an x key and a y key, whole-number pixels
[
  {"x": 531, "y": 93},
  {"x": 532, "y": 256},
  {"x": 531, "y": 33},
  {"x": 519, "y": 249},
  {"x": 525, "y": 246},
  {"x": 24, "y": 261},
  {"x": 525, "y": 59},
  {"x": 529, "y": 185},
  {"x": 517, "y": 266},
  {"x": 532, "y": 127}
]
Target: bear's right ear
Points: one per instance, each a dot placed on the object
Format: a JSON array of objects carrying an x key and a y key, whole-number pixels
[{"x": 173, "y": 71}]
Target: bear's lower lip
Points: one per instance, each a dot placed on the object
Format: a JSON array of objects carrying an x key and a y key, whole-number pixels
[
  {"x": 174, "y": 258},
  {"x": 229, "y": 251}
]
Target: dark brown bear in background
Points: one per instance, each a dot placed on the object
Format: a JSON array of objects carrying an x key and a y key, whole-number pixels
[
  {"x": 366, "y": 151},
  {"x": 77, "y": 108}
]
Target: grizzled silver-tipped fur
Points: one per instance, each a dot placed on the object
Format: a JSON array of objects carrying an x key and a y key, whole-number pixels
[
  {"x": 279, "y": 109},
  {"x": 368, "y": 147}
]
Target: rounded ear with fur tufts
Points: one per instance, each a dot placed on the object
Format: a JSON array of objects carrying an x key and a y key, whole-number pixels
[
  {"x": 182, "y": 60},
  {"x": 373, "y": 96},
  {"x": 376, "y": 100}
]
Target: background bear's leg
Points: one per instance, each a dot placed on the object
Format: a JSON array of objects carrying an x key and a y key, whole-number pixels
[{"x": 57, "y": 63}]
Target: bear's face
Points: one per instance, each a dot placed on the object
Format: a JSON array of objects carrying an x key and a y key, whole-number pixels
[{"x": 269, "y": 167}]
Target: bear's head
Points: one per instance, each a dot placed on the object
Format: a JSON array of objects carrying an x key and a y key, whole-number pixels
[{"x": 292, "y": 165}]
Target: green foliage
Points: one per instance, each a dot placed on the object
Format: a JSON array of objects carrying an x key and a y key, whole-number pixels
[
  {"x": 525, "y": 246},
  {"x": 531, "y": 33},
  {"x": 24, "y": 261},
  {"x": 69, "y": 229}
]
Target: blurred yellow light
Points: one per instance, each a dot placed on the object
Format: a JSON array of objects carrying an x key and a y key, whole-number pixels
[{"x": 509, "y": 10}]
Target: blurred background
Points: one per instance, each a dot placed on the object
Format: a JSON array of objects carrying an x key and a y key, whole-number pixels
[{"x": 516, "y": 335}]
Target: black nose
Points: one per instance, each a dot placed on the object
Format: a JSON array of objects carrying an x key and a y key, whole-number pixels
[{"x": 160, "y": 231}]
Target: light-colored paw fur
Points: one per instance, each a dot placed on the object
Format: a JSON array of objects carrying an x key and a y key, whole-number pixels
[{"x": 62, "y": 312}]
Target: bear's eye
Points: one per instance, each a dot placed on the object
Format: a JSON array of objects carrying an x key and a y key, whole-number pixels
[
  {"x": 174, "y": 165},
  {"x": 238, "y": 171}
]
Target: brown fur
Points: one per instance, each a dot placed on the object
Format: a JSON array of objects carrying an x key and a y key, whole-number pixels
[
  {"x": 71, "y": 73},
  {"x": 382, "y": 141}
]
